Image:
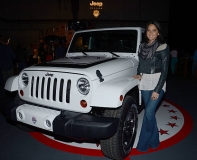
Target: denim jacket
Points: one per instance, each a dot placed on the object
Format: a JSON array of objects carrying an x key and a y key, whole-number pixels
[{"x": 156, "y": 64}]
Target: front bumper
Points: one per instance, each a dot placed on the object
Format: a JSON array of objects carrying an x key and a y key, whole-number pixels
[
  {"x": 65, "y": 123},
  {"x": 79, "y": 125}
]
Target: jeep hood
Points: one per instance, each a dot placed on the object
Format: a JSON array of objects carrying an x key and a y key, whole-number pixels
[{"x": 87, "y": 65}]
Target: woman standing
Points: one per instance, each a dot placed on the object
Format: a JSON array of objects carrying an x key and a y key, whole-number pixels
[{"x": 152, "y": 73}]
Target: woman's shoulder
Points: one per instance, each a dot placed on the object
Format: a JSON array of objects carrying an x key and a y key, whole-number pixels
[{"x": 162, "y": 47}]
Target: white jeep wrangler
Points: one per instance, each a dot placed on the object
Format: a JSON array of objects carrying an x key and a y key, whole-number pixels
[{"x": 88, "y": 94}]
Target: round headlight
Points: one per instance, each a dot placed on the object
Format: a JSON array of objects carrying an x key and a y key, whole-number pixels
[
  {"x": 83, "y": 86},
  {"x": 25, "y": 79}
]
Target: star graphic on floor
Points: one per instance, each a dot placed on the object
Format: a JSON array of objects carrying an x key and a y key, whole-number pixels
[
  {"x": 173, "y": 111},
  {"x": 174, "y": 117},
  {"x": 165, "y": 105},
  {"x": 163, "y": 131},
  {"x": 172, "y": 124}
]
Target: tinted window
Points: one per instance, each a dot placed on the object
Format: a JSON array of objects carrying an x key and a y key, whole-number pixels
[{"x": 102, "y": 41}]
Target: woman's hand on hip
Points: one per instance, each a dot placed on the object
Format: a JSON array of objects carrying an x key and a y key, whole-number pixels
[
  {"x": 154, "y": 96},
  {"x": 137, "y": 77}
]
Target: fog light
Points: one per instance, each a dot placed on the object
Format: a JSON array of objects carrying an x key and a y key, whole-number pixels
[
  {"x": 20, "y": 115},
  {"x": 48, "y": 122}
]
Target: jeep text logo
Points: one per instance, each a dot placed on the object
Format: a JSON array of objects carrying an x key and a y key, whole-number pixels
[
  {"x": 49, "y": 74},
  {"x": 97, "y": 4}
]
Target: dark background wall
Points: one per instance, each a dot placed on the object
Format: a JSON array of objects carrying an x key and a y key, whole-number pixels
[
  {"x": 182, "y": 25},
  {"x": 26, "y": 20},
  {"x": 62, "y": 9}
]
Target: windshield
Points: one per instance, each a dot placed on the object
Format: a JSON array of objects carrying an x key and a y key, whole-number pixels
[{"x": 105, "y": 41}]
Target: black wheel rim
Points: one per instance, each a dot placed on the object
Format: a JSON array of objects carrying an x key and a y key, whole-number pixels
[{"x": 129, "y": 128}]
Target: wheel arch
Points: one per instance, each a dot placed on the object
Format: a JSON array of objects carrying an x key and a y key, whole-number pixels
[{"x": 136, "y": 94}]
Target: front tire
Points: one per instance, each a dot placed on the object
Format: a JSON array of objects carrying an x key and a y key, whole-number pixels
[{"x": 120, "y": 145}]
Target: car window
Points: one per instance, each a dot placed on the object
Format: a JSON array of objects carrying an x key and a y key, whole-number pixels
[{"x": 102, "y": 41}]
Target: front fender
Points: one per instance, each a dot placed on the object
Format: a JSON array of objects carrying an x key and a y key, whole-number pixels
[
  {"x": 12, "y": 84},
  {"x": 108, "y": 93}
]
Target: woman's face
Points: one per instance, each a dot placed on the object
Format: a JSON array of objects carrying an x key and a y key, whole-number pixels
[{"x": 152, "y": 33}]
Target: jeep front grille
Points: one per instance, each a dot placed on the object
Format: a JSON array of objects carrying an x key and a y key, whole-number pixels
[{"x": 50, "y": 89}]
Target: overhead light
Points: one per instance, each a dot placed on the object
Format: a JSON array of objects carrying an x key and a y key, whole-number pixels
[{"x": 96, "y": 13}]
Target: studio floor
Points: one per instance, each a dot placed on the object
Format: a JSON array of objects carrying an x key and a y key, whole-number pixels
[{"x": 181, "y": 95}]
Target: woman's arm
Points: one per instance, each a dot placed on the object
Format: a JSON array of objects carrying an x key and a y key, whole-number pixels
[{"x": 165, "y": 54}]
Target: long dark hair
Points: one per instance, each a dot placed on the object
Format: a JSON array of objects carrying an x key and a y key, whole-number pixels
[{"x": 158, "y": 26}]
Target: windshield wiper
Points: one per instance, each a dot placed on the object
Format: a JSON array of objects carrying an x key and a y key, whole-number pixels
[
  {"x": 85, "y": 54},
  {"x": 114, "y": 54}
]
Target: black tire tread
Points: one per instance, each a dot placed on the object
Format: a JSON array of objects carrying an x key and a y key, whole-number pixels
[{"x": 109, "y": 146}]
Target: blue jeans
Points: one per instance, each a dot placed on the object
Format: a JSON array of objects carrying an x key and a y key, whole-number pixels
[{"x": 149, "y": 135}]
